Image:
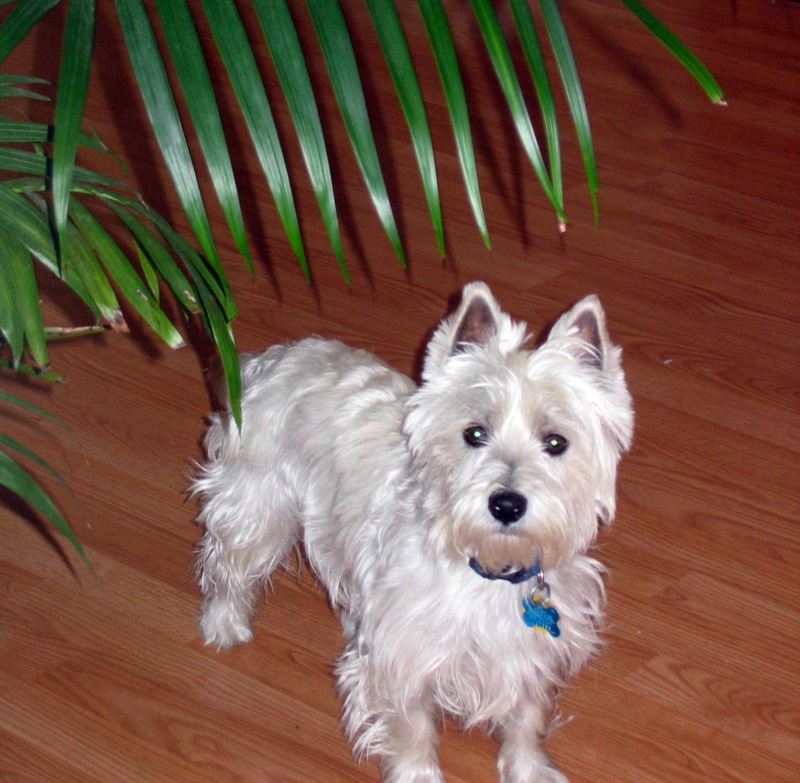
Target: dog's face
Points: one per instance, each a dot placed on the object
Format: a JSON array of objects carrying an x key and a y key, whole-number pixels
[{"x": 517, "y": 450}]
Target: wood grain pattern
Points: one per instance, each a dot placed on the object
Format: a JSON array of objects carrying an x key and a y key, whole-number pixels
[{"x": 103, "y": 677}]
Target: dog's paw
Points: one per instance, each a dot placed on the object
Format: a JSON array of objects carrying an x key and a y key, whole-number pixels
[
  {"x": 220, "y": 630},
  {"x": 412, "y": 773},
  {"x": 534, "y": 769}
]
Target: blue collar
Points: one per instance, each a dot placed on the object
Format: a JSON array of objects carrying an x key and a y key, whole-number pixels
[{"x": 516, "y": 576}]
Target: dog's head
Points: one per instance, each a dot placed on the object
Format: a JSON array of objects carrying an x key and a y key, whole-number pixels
[{"x": 516, "y": 449}]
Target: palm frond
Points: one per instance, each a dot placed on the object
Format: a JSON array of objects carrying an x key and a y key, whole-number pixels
[
  {"x": 678, "y": 49},
  {"x": 231, "y": 38},
  {"x": 401, "y": 68},
  {"x": 340, "y": 60},
  {"x": 444, "y": 52},
  {"x": 280, "y": 34}
]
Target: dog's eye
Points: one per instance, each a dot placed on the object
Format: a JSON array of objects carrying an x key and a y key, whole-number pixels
[
  {"x": 555, "y": 444},
  {"x": 476, "y": 436}
]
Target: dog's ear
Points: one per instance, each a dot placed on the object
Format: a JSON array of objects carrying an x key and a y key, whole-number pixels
[
  {"x": 475, "y": 322},
  {"x": 582, "y": 332},
  {"x": 586, "y": 324}
]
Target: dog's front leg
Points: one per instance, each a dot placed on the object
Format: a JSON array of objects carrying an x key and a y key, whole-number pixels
[
  {"x": 409, "y": 754},
  {"x": 521, "y": 758}
]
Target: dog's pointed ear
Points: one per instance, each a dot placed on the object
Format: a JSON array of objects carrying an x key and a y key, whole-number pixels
[
  {"x": 582, "y": 332},
  {"x": 475, "y": 322},
  {"x": 586, "y": 324}
]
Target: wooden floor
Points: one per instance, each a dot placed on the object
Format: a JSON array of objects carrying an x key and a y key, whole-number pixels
[{"x": 697, "y": 261}]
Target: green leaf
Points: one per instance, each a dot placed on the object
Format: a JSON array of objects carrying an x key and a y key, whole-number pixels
[
  {"x": 149, "y": 273},
  {"x": 78, "y": 259},
  {"x": 503, "y": 66},
  {"x": 287, "y": 55},
  {"x": 401, "y": 68},
  {"x": 160, "y": 104},
  {"x": 532, "y": 49},
  {"x": 191, "y": 259},
  {"x": 179, "y": 245},
  {"x": 32, "y": 372},
  {"x": 28, "y": 225},
  {"x": 33, "y": 229},
  {"x": 340, "y": 60},
  {"x": 73, "y": 85},
  {"x": 21, "y": 402},
  {"x": 219, "y": 329},
  {"x": 15, "y": 445},
  {"x": 25, "y": 162},
  {"x": 12, "y": 328},
  {"x": 684, "y": 55},
  {"x": 21, "y": 483},
  {"x": 237, "y": 55},
  {"x": 20, "y": 22},
  {"x": 16, "y": 254},
  {"x": 8, "y": 88},
  {"x": 124, "y": 275},
  {"x": 574, "y": 92},
  {"x": 7, "y": 79},
  {"x": 160, "y": 258},
  {"x": 21, "y": 131},
  {"x": 192, "y": 72},
  {"x": 453, "y": 88}
]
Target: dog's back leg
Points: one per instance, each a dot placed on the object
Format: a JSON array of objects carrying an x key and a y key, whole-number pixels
[{"x": 251, "y": 527}]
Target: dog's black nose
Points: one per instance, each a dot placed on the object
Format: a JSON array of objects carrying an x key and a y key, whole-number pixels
[{"x": 507, "y": 507}]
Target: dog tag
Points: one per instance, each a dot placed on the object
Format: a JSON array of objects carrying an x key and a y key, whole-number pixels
[{"x": 539, "y": 613}]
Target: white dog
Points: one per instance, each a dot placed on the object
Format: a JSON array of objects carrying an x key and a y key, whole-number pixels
[{"x": 449, "y": 523}]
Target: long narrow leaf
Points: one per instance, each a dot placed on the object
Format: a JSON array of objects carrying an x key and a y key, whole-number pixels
[
  {"x": 160, "y": 104},
  {"x": 30, "y": 218},
  {"x": 32, "y": 407},
  {"x": 237, "y": 55},
  {"x": 21, "y": 483},
  {"x": 398, "y": 59},
  {"x": 12, "y": 328},
  {"x": 20, "y": 22},
  {"x": 9, "y": 88},
  {"x": 532, "y": 48},
  {"x": 160, "y": 257},
  {"x": 22, "y": 131},
  {"x": 220, "y": 330},
  {"x": 192, "y": 71},
  {"x": 503, "y": 66},
  {"x": 21, "y": 449},
  {"x": 31, "y": 372},
  {"x": 447, "y": 64},
  {"x": 179, "y": 245},
  {"x": 73, "y": 85},
  {"x": 123, "y": 274},
  {"x": 78, "y": 259},
  {"x": 28, "y": 225},
  {"x": 340, "y": 60},
  {"x": 574, "y": 92},
  {"x": 29, "y": 229},
  {"x": 287, "y": 55},
  {"x": 26, "y": 162},
  {"x": 679, "y": 50},
  {"x": 8, "y": 79}
]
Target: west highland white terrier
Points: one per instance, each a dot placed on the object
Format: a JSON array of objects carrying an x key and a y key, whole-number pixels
[{"x": 449, "y": 522}]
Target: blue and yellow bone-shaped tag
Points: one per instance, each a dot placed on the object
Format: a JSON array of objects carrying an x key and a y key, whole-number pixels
[{"x": 539, "y": 613}]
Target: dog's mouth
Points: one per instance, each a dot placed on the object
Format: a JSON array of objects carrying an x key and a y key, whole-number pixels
[{"x": 510, "y": 573}]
